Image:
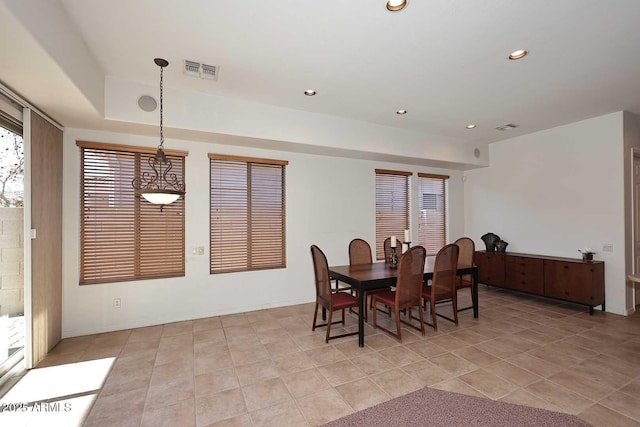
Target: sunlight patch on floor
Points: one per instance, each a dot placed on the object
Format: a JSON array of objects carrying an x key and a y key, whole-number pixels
[{"x": 55, "y": 396}]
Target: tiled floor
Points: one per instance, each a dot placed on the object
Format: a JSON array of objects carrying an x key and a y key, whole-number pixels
[{"x": 269, "y": 368}]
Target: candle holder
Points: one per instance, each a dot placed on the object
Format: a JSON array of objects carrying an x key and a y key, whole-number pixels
[
  {"x": 407, "y": 243},
  {"x": 393, "y": 258}
]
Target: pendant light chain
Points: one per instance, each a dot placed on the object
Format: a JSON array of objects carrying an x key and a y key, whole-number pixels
[{"x": 161, "y": 108}]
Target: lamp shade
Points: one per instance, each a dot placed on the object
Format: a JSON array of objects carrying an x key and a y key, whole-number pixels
[{"x": 160, "y": 197}]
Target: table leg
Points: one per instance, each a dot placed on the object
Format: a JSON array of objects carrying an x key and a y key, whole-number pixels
[
  {"x": 474, "y": 293},
  {"x": 361, "y": 302}
]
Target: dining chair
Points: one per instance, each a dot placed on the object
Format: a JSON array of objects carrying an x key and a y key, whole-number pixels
[
  {"x": 360, "y": 253},
  {"x": 407, "y": 293},
  {"x": 326, "y": 297},
  {"x": 465, "y": 257},
  {"x": 387, "y": 249},
  {"x": 443, "y": 285}
]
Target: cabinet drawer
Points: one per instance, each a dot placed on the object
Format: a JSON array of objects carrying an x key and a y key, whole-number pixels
[{"x": 525, "y": 274}]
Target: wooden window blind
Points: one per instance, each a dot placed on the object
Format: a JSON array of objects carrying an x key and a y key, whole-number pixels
[
  {"x": 124, "y": 237},
  {"x": 392, "y": 206},
  {"x": 247, "y": 214},
  {"x": 432, "y": 225}
]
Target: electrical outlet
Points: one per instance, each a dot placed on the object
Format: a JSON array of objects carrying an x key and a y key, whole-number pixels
[
  {"x": 607, "y": 247},
  {"x": 117, "y": 303},
  {"x": 200, "y": 250}
]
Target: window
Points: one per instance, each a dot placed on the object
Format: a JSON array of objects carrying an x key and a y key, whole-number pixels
[
  {"x": 247, "y": 214},
  {"x": 392, "y": 206},
  {"x": 122, "y": 236},
  {"x": 432, "y": 226}
]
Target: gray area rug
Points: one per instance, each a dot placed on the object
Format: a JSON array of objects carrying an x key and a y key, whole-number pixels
[{"x": 431, "y": 407}]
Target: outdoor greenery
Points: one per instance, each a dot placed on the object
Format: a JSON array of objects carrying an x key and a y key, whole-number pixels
[{"x": 11, "y": 169}]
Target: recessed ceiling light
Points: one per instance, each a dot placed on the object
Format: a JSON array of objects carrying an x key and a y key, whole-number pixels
[
  {"x": 518, "y": 54},
  {"x": 310, "y": 92},
  {"x": 396, "y": 5},
  {"x": 401, "y": 112},
  {"x": 470, "y": 126}
]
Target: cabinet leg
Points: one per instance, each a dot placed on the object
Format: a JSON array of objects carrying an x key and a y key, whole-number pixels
[{"x": 591, "y": 310}]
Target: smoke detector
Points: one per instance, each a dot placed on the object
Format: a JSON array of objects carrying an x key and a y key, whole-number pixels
[
  {"x": 508, "y": 126},
  {"x": 197, "y": 69}
]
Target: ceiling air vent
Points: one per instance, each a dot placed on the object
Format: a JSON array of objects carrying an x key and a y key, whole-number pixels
[
  {"x": 204, "y": 71},
  {"x": 191, "y": 68},
  {"x": 209, "y": 72},
  {"x": 508, "y": 126}
]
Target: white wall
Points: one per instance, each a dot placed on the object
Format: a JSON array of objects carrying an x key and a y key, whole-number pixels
[
  {"x": 555, "y": 191},
  {"x": 329, "y": 201}
]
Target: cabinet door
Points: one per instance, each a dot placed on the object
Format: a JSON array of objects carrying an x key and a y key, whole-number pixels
[
  {"x": 490, "y": 268},
  {"x": 580, "y": 282},
  {"x": 524, "y": 274}
]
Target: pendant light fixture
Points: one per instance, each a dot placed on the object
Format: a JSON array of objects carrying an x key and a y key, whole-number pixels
[{"x": 163, "y": 186}]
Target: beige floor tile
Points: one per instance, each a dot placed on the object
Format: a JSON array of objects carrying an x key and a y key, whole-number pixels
[
  {"x": 216, "y": 381},
  {"x": 247, "y": 357},
  {"x": 165, "y": 373},
  {"x": 400, "y": 356},
  {"x": 453, "y": 364},
  {"x": 426, "y": 348},
  {"x": 633, "y": 388},
  {"x": 256, "y": 372},
  {"x": 426, "y": 373},
  {"x": 563, "y": 398},
  {"x": 623, "y": 403},
  {"x": 177, "y": 328},
  {"x": 454, "y": 385},
  {"x": 380, "y": 341},
  {"x": 362, "y": 394},
  {"x": 469, "y": 336},
  {"x": 341, "y": 372},
  {"x": 123, "y": 409},
  {"x": 396, "y": 382},
  {"x": 282, "y": 347},
  {"x": 584, "y": 386},
  {"x": 170, "y": 392},
  {"x": 488, "y": 384},
  {"x": 234, "y": 320},
  {"x": 476, "y": 356},
  {"x": 206, "y": 324},
  {"x": 326, "y": 355},
  {"x": 209, "y": 335},
  {"x": 291, "y": 363},
  {"x": 371, "y": 363},
  {"x": 177, "y": 341},
  {"x": 166, "y": 356},
  {"x": 305, "y": 382},
  {"x": 219, "y": 406},
  {"x": 534, "y": 365},
  {"x": 351, "y": 349},
  {"x": 324, "y": 406},
  {"x": 514, "y": 374},
  {"x": 599, "y": 415},
  {"x": 181, "y": 414},
  {"x": 284, "y": 414},
  {"x": 265, "y": 393},
  {"x": 523, "y": 397},
  {"x": 243, "y": 420}
]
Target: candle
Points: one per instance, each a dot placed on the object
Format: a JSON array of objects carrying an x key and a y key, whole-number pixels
[
  {"x": 405, "y": 247},
  {"x": 407, "y": 236},
  {"x": 393, "y": 242}
]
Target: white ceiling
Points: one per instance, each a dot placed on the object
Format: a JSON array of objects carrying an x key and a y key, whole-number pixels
[{"x": 445, "y": 61}]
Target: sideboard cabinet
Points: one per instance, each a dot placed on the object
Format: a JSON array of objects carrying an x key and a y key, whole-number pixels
[{"x": 567, "y": 279}]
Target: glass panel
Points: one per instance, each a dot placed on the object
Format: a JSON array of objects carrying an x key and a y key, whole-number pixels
[{"x": 12, "y": 326}]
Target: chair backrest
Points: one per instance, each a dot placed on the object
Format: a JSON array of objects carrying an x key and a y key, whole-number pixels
[
  {"x": 321, "y": 271},
  {"x": 387, "y": 249},
  {"x": 359, "y": 252},
  {"x": 443, "y": 284},
  {"x": 410, "y": 276},
  {"x": 466, "y": 255}
]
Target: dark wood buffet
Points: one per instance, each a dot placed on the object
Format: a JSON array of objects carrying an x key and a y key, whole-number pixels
[{"x": 568, "y": 279}]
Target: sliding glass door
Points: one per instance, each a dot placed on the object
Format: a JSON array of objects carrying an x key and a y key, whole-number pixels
[{"x": 12, "y": 321}]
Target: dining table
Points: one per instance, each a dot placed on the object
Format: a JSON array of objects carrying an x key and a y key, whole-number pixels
[{"x": 377, "y": 275}]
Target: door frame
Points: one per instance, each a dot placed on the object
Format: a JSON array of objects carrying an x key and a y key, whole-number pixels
[{"x": 635, "y": 157}]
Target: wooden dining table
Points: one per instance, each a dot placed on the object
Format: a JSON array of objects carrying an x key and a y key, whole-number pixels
[{"x": 365, "y": 277}]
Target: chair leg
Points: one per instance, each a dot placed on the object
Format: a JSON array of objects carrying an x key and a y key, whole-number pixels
[
  {"x": 421, "y": 312},
  {"x": 454, "y": 306},
  {"x": 434, "y": 320},
  {"x": 375, "y": 317},
  {"x": 315, "y": 316},
  {"x": 343, "y": 316},
  {"x": 329, "y": 326},
  {"x": 398, "y": 324}
]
